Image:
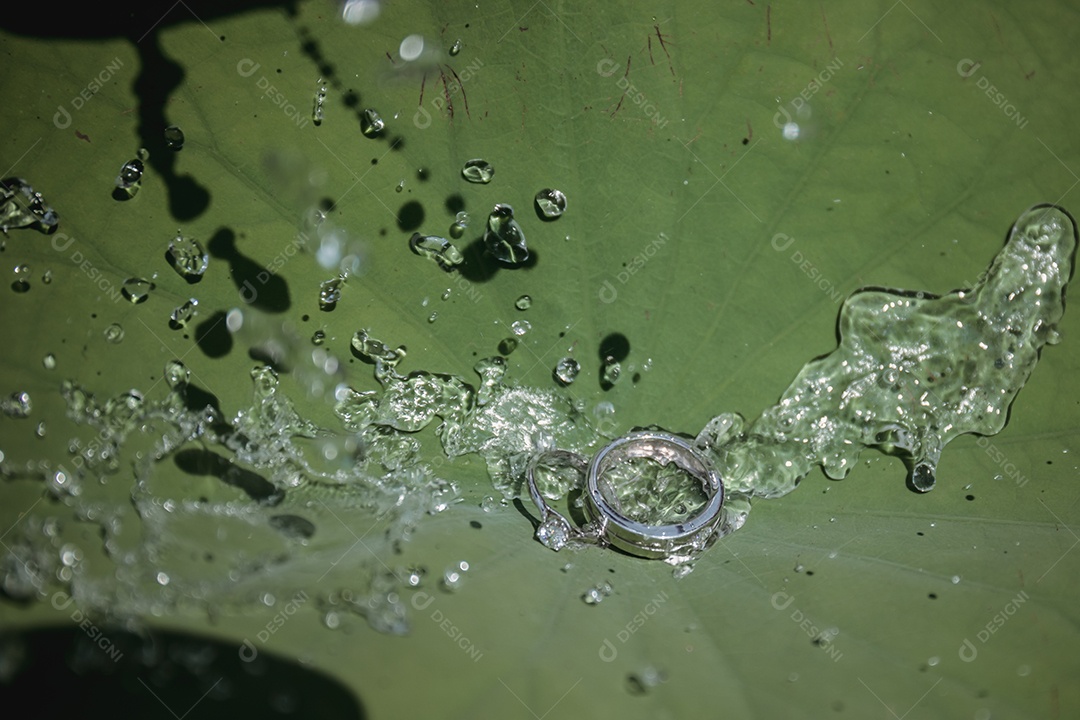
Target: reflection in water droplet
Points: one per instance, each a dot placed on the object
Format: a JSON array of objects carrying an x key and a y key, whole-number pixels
[
  {"x": 136, "y": 290},
  {"x": 478, "y": 171},
  {"x": 566, "y": 370},
  {"x": 114, "y": 333},
  {"x": 552, "y": 203},
  {"x": 371, "y": 123}
]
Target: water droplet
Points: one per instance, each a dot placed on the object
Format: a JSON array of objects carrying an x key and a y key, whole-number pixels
[
  {"x": 566, "y": 370},
  {"x": 523, "y": 303},
  {"x": 799, "y": 567},
  {"x": 187, "y": 257},
  {"x": 462, "y": 218},
  {"x": 643, "y": 682},
  {"x": 46, "y": 277},
  {"x": 520, "y": 327},
  {"x": 610, "y": 372},
  {"x": 183, "y": 314},
  {"x": 489, "y": 504},
  {"x": 455, "y": 48},
  {"x": 30, "y": 210},
  {"x": 130, "y": 177},
  {"x": 400, "y": 186},
  {"x": 318, "y": 337},
  {"x": 922, "y": 477},
  {"x": 504, "y": 239},
  {"x": 478, "y": 171},
  {"x": 453, "y": 575},
  {"x": 955, "y": 579},
  {"x": 507, "y": 345},
  {"x": 320, "y": 98},
  {"x": 22, "y": 279},
  {"x": 682, "y": 570},
  {"x": 374, "y": 350},
  {"x": 371, "y": 123},
  {"x": 446, "y": 294},
  {"x": 457, "y": 231},
  {"x": 552, "y": 203},
  {"x": 436, "y": 248},
  {"x": 174, "y": 137},
  {"x": 330, "y": 293},
  {"x": 17, "y": 405},
  {"x": 114, "y": 333},
  {"x": 49, "y": 362},
  {"x": 177, "y": 374},
  {"x": 595, "y": 595},
  {"x": 136, "y": 290},
  {"x": 433, "y": 317},
  {"x": 40, "y": 429}
]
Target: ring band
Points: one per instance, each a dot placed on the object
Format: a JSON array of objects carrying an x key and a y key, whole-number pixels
[{"x": 607, "y": 526}]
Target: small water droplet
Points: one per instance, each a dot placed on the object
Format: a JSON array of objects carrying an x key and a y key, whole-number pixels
[
  {"x": 318, "y": 337},
  {"x": 49, "y": 362},
  {"x": 136, "y": 290},
  {"x": 22, "y": 279},
  {"x": 400, "y": 186},
  {"x": 566, "y": 371},
  {"x": 129, "y": 180},
  {"x": 46, "y": 277},
  {"x": 955, "y": 579},
  {"x": 610, "y": 372},
  {"x": 799, "y": 567},
  {"x": 436, "y": 248},
  {"x": 523, "y": 303},
  {"x": 183, "y": 314},
  {"x": 114, "y": 333},
  {"x": 520, "y": 327},
  {"x": 177, "y": 374},
  {"x": 433, "y": 317},
  {"x": 332, "y": 620},
  {"x": 174, "y": 137},
  {"x": 551, "y": 202},
  {"x": 455, "y": 48},
  {"x": 446, "y": 294},
  {"x": 320, "y": 98},
  {"x": 489, "y": 504},
  {"x": 453, "y": 576},
  {"x": 330, "y": 293},
  {"x": 17, "y": 405},
  {"x": 504, "y": 239},
  {"x": 478, "y": 171},
  {"x": 507, "y": 345},
  {"x": 371, "y": 123},
  {"x": 462, "y": 218},
  {"x": 922, "y": 477},
  {"x": 187, "y": 257}
]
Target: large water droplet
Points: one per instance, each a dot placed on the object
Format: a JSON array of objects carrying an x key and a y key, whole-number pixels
[
  {"x": 436, "y": 248},
  {"x": 552, "y": 203},
  {"x": 187, "y": 257},
  {"x": 478, "y": 171},
  {"x": 504, "y": 239},
  {"x": 923, "y": 477}
]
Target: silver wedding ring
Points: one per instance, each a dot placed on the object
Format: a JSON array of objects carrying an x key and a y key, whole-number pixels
[{"x": 606, "y": 525}]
